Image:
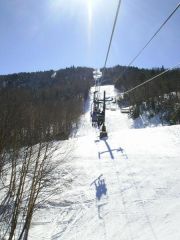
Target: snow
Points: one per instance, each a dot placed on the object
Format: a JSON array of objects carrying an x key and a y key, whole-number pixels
[
  {"x": 53, "y": 75},
  {"x": 141, "y": 171}
]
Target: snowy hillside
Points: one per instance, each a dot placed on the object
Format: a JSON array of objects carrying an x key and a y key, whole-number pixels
[{"x": 137, "y": 196}]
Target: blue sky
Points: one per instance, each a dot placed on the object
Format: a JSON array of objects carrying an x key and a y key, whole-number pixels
[{"x": 53, "y": 34}]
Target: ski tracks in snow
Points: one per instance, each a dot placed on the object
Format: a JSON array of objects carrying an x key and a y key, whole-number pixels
[
  {"x": 133, "y": 207},
  {"x": 111, "y": 160}
]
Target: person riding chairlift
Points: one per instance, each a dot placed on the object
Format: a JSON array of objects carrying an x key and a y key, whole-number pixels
[
  {"x": 100, "y": 119},
  {"x": 94, "y": 116}
]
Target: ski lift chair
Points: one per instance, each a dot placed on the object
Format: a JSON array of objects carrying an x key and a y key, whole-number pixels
[
  {"x": 94, "y": 114},
  {"x": 94, "y": 118},
  {"x": 103, "y": 132},
  {"x": 100, "y": 119}
]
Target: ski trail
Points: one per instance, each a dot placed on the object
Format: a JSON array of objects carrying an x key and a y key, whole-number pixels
[
  {"x": 115, "y": 172},
  {"x": 140, "y": 199},
  {"x": 100, "y": 206},
  {"x": 137, "y": 195}
]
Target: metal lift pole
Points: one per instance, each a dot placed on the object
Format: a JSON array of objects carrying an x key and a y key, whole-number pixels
[
  {"x": 104, "y": 105},
  {"x": 103, "y": 132}
]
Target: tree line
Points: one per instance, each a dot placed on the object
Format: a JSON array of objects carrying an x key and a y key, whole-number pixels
[{"x": 159, "y": 95}]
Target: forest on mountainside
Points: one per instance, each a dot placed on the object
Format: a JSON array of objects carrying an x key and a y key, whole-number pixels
[
  {"x": 132, "y": 76},
  {"x": 161, "y": 95},
  {"x": 42, "y": 105},
  {"x": 162, "y": 92}
]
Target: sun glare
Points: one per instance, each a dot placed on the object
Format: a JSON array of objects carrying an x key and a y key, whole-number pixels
[
  {"x": 89, "y": 11},
  {"x": 74, "y": 9},
  {"x": 90, "y": 15}
]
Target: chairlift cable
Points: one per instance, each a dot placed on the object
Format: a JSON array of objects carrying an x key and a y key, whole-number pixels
[
  {"x": 158, "y": 75},
  {"x": 111, "y": 37},
  {"x": 103, "y": 133},
  {"x": 101, "y": 117},
  {"x": 157, "y": 31},
  {"x": 98, "y": 81}
]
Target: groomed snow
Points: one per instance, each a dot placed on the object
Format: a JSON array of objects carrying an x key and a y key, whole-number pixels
[{"x": 141, "y": 172}]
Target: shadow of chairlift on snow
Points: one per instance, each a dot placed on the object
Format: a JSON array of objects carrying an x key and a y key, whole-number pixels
[
  {"x": 110, "y": 151},
  {"x": 100, "y": 187},
  {"x": 101, "y": 190}
]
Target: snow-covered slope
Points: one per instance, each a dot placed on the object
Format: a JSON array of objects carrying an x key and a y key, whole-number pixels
[{"x": 138, "y": 192}]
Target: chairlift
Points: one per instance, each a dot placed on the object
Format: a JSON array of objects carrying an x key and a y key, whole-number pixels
[
  {"x": 103, "y": 132},
  {"x": 114, "y": 100},
  {"x": 95, "y": 109},
  {"x": 97, "y": 114},
  {"x": 98, "y": 109},
  {"x": 97, "y": 74}
]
